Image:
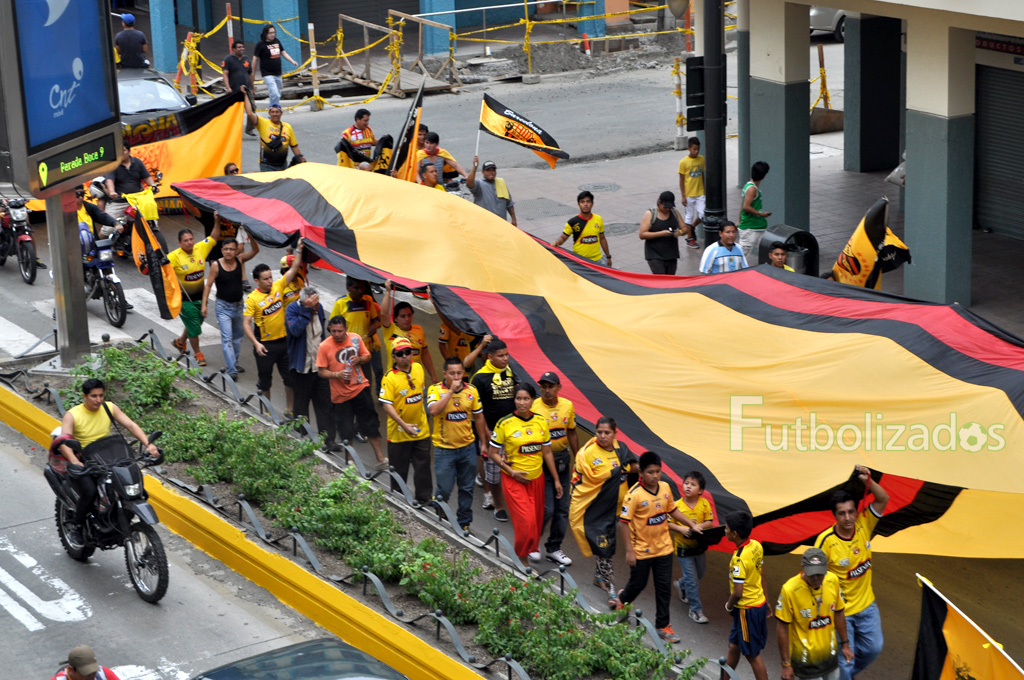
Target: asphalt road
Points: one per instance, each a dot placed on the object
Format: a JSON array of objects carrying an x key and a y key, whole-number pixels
[{"x": 50, "y": 603}]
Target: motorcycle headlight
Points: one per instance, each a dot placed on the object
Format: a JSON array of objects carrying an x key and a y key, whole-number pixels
[
  {"x": 19, "y": 214},
  {"x": 132, "y": 490},
  {"x": 106, "y": 255}
]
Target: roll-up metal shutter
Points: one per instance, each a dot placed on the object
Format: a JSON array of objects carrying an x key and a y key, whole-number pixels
[{"x": 999, "y": 151}]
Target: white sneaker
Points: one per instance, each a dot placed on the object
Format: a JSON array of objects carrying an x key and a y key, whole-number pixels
[
  {"x": 534, "y": 557},
  {"x": 488, "y": 500},
  {"x": 479, "y": 481},
  {"x": 559, "y": 557}
]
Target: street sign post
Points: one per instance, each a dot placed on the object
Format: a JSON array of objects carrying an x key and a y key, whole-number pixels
[{"x": 59, "y": 126}]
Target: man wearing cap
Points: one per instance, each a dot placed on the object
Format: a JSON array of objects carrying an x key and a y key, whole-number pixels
[
  {"x": 561, "y": 418},
  {"x": 491, "y": 193},
  {"x": 810, "y": 614},
  {"x": 131, "y": 44},
  {"x": 276, "y": 137},
  {"x": 847, "y": 544},
  {"x": 660, "y": 228},
  {"x": 401, "y": 394},
  {"x": 81, "y": 665}
]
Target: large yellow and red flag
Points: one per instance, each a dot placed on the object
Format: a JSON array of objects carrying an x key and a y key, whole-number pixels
[{"x": 501, "y": 121}]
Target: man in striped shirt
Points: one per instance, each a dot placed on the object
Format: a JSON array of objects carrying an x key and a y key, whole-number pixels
[{"x": 725, "y": 255}]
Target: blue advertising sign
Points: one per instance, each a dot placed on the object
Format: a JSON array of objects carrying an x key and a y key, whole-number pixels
[{"x": 66, "y": 68}]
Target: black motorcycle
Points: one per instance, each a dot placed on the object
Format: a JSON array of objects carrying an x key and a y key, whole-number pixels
[
  {"x": 121, "y": 516},
  {"x": 16, "y": 238}
]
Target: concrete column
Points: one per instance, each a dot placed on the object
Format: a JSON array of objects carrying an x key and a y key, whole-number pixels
[
  {"x": 871, "y": 126},
  {"x": 698, "y": 51},
  {"x": 250, "y": 9},
  {"x": 164, "y": 40},
  {"x": 940, "y": 160},
  {"x": 594, "y": 28},
  {"x": 435, "y": 41},
  {"x": 743, "y": 89},
  {"x": 274, "y": 10},
  {"x": 185, "y": 13},
  {"x": 780, "y": 93}
]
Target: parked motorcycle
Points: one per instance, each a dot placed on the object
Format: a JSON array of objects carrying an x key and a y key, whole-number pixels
[
  {"x": 100, "y": 279},
  {"x": 16, "y": 238},
  {"x": 121, "y": 515}
]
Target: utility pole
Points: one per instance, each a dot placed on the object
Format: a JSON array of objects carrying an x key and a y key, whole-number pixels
[{"x": 714, "y": 118}]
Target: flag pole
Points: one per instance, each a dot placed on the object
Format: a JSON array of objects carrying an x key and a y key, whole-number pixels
[{"x": 477, "y": 152}]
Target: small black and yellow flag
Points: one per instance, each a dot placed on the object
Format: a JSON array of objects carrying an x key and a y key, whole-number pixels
[{"x": 501, "y": 121}]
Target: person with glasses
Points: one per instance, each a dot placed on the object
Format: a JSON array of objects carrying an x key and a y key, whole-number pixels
[
  {"x": 81, "y": 665},
  {"x": 401, "y": 393},
  {"x": 230, "y": 169}
]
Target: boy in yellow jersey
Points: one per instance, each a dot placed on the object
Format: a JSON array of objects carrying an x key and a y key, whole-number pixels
[
  {"x": 746, "y": 603},
  {"x": 264, "y": 323},
  {"x": 455, "y": 407},
  {"x": 587, "y": 231},
  {"x": 643, "y": 530},
  {"x": 189, "y": 262},
  {"x": 401, "y": 393},
  {"x": 810, "y": 615},
  {"x": 848, "y": 547},
  {"x": 691, "y": 188},
  {"x": 396, "y": 322},
  {"x": 362, "y": 315},
  {"x": 562, "y": 426},
  {"x": 690, "y": 551},
  {"x": 777, "y": 256}
]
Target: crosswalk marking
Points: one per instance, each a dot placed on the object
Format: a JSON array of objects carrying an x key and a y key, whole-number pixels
[
  {"x": 14, "y": 340},
  {"x": 146, "y": 306}
]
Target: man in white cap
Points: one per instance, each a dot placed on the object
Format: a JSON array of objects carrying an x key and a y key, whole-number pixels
[
  {"x": 81, "y": 665},
  {"x": 810, "y": 614}
]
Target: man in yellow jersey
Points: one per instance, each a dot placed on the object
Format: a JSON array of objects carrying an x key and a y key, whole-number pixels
[
  {"x": 396, "y": 322},
  {"x": 264, "y": 323},
  {"x": 362, "y": 314},
  {"x": 777, "y": 256},
  {"x": 746, "y": 602},
  {"x": 455, "y": 407},
  {"x": 357, "y": 142},
  {"x": 587, "y": 231},
  {"x": 276, "y": 137},
  {"x": 690, "y": 551},
  {"x": 810, "y": 616},
  {"x": 292, "y": 290},
  {"x": 691, "y": 188},
  {"x": 401, "y": 393},
  {"x": 189, "y": 262},
  {"x": 87, "y": 422},
  {"x": 562, "y": 426},
  {"x": 848, "y": 548},
  {"x": 643, "y": 530},
  {"x": 428, "y": 172}
]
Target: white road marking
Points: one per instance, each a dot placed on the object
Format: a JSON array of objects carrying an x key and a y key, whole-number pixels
[
  {"x": 96, "y": 330},
  {"x": 68, "y": 606},
  {"x": 14, "y": 339},
  {"x": 146, "y": 306}
]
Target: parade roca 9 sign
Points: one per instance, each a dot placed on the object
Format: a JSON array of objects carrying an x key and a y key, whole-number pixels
[{"x": 60, "y": 103}]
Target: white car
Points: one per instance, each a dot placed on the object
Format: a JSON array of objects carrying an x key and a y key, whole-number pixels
[{"x": 831, "y": 20}]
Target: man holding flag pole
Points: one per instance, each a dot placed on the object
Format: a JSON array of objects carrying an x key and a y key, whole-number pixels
[{"x": 491, "y": 192}]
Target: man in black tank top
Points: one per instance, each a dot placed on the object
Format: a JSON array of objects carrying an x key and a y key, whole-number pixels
[
  {"x": 227, "y": 273},
  {"x": 660, "y": 229}
]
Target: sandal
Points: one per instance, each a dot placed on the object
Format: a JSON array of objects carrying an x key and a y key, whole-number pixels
[
  {"x": 200, "y": 359},
  {"x": 179, "y": 345}
]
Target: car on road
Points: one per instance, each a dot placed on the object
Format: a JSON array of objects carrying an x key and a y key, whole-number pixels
[
  {"x": 150, "y": 106},
  {"x": 830, "y": 20},
  {"x": 324, "y": 659}
]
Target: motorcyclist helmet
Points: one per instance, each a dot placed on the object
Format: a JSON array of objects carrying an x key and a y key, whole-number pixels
[{"x": 97, "y": 188}]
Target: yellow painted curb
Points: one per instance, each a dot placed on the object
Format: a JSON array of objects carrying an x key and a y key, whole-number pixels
[{"x": 293, "y": 585}]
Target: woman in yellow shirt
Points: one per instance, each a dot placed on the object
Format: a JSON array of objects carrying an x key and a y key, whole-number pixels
[
  {"x": 521, "y": 445},
  {"x": 599, "y": 484}
]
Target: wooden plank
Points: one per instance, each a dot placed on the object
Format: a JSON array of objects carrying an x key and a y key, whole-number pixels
[
  {"x": 419, "y": 20},
  {"x": 367, "y": 24}
]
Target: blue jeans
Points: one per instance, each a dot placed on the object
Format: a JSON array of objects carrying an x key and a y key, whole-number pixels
[
  {"x": 229, "y": 318},
  {"x": 693, "y": 571},
  {"x": 453, "y": 466},
  {"x": 274, "y": 85},
  {"x": 864, "y": 630}
]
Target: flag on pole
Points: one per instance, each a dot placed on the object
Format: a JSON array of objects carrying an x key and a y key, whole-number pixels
[
  {"x": 403, "y": 162},
  {"x": 952, "y": 647},
  {"x": 501, "y": 121}
]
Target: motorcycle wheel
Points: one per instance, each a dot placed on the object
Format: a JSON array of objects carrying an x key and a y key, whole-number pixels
[
  {"x": 27, "y": 261},
  {"x": 65, "y": 516},
  {"x": 146, "y": 561},
  {"x": 114, "y": 303}
]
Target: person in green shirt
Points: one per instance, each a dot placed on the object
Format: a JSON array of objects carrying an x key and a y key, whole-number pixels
[{"x": 753, "y": 220}]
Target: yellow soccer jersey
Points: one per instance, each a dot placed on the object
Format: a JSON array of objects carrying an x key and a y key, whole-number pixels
[
  {"x": 561, "y": 419},
  {"x": 523, "y": 442},
  {"x": 700, "y": 512},
  {"x": 813, "y": 648},
  {"x": 453, "y": 426},
  {"x": 456, "y": 341},
  {"x": 291, "y": 291},
  {"x": 414, "y": 335},
  {"x": 267, "y": 312},
  {"x": 586, "y": 236},
  {"x": 646, "y": 514},
  {"x": 850, "y": 560},
  {"x": 190, "y": 268},
  {"x": 745, "y": 567},
  {"x": 692, "y": 170},
  {"x": 359, "y": 314},
  {"x": 404, "y": 391}
]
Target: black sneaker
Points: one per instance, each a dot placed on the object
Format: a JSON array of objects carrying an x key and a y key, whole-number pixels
[
  {"x": 39, "y": 264},
  {"x": 501, "y": 515},
  {"x": 250, "y": 132},
  {"x": 75, "y": 535}
]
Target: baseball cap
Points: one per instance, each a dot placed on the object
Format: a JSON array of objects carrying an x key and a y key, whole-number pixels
[
  {"x": 489, "y": 165},
  {"x": 667, "y": 199},
  {"x": 128, "y": 19},
  {"x": 275, "y": 106},
  {"x": 549, "y": 377},
  {"x": 83, "y": 659},
  {"x": 287, "y": 260},
  {"x": 814, "y": 562},
  {"x": 401, "y": 343}
]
